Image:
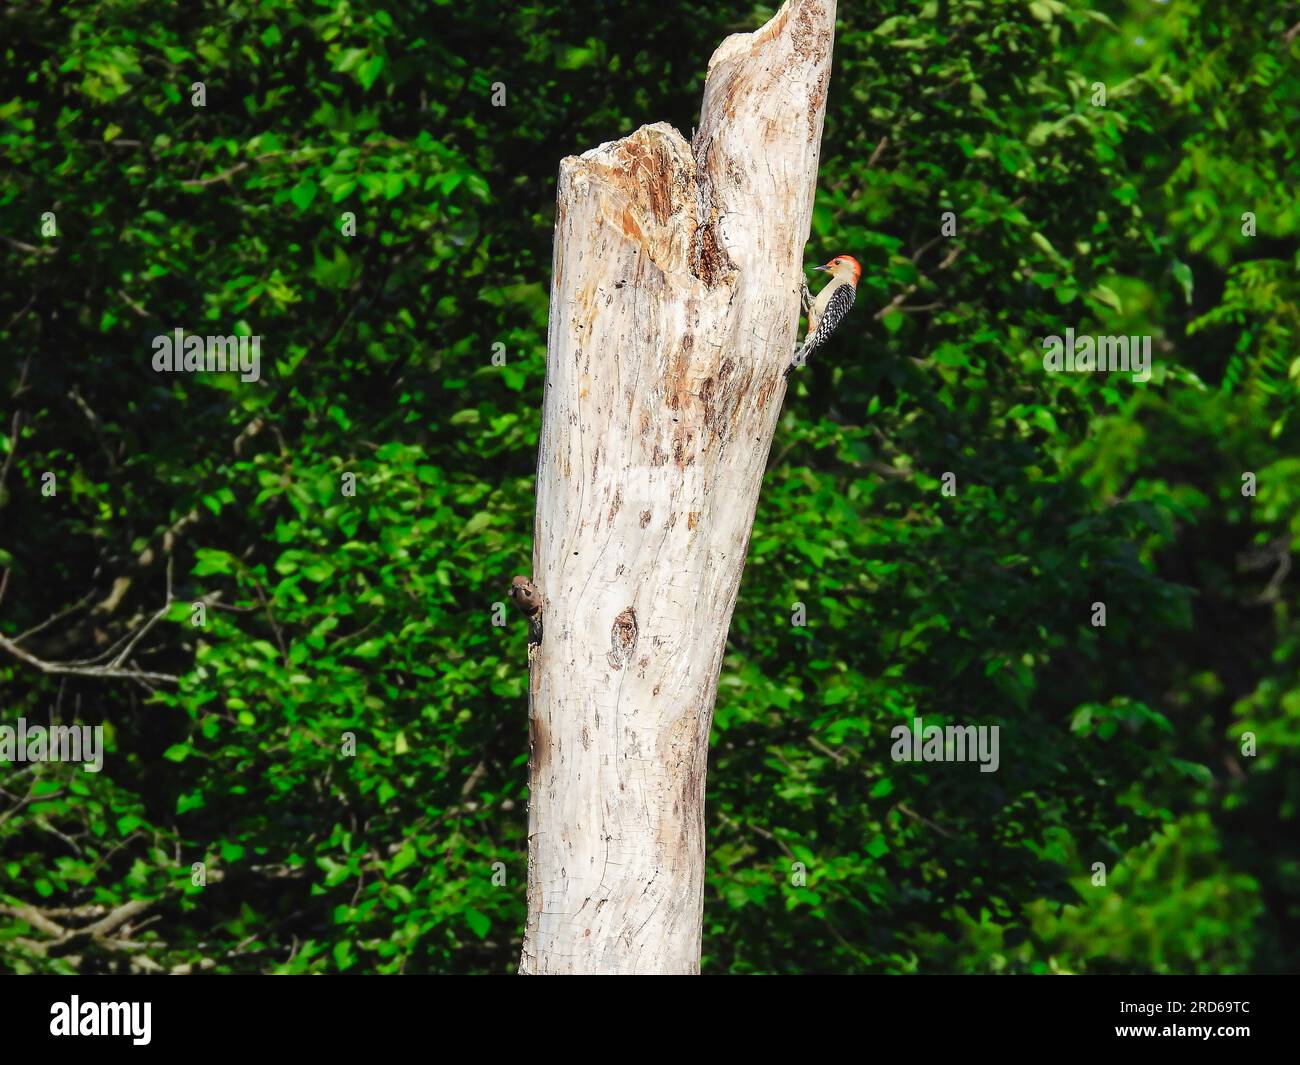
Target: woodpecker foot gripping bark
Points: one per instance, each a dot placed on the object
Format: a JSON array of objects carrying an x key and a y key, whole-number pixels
[{"x": 805, "y": 295}]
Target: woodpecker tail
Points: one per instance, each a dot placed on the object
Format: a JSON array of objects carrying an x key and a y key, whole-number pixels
[{"x": 798, "y": 360}]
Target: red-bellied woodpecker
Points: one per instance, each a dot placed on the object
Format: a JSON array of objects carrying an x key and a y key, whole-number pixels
[{"x": 832, "y": 304}]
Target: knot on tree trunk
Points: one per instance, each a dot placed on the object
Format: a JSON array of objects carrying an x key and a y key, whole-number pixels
[{"x": 622, "y": 638}]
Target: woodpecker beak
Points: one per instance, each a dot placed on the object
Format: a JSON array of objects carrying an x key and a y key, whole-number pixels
[{"x": 825, "y": 269}]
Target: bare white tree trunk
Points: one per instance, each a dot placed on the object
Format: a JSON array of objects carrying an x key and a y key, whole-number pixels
[{"x": 674, "y": 308}]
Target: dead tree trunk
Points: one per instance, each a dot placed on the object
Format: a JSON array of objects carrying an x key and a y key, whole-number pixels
[{"x": 674, "y": 309}]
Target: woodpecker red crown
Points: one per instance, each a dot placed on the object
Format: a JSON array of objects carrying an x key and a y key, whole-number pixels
[{"x": 842, "y": 263}]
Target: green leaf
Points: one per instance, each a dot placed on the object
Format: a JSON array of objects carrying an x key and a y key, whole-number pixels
[
  {"x": 369, "y": 71},
  {"x": 303, "y": 194},
  {"x": 479, "y": 924},
  {"x": 403, "y": 859},
  {"x": 1183, "y": 275}
]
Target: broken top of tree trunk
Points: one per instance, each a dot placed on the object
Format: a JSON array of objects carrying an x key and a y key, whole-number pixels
[
  {"x": 674, "y": 307},
  {"x": 706, "y": 209}
]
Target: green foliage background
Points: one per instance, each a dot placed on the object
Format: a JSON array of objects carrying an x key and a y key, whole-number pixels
[{"x": 372, "y": 615}]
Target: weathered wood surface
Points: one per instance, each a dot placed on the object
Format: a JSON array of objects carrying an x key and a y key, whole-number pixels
[{"x": 674, "y": 310}]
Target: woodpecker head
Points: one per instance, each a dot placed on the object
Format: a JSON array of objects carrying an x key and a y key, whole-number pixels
[
  {"x": 525, "y": 596},
  {"x": 844, "y": 266}
]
